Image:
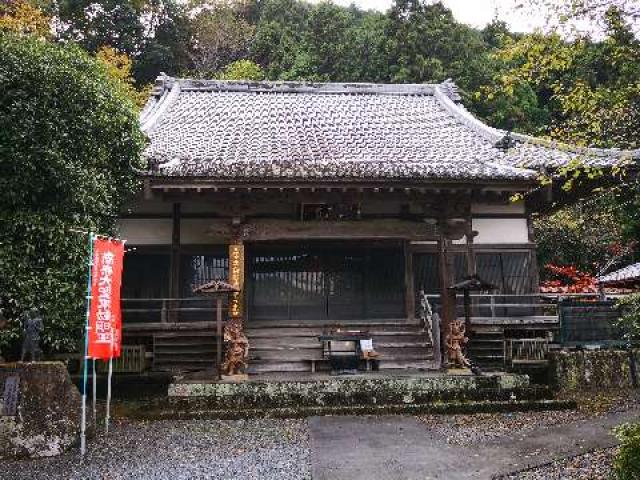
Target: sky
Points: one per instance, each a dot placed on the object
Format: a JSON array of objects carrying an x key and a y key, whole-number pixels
[{"x": 476, "y": 13}]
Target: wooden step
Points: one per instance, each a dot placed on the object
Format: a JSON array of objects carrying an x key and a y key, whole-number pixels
[
  {"x": 284, "y": 355},
  {"x": 271, "y": 367},
  {"x": 305, "y": 332},
  {"x": 185, "y": 333},
  {"x": 328, "y": 323},
  {"x": 190, "y": 353}
]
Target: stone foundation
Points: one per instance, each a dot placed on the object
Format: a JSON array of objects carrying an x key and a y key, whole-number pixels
[
  {"x": 347, "y": 391},
  {"x": 46, "y": 418},
  {"x": 586, "y": 370}
]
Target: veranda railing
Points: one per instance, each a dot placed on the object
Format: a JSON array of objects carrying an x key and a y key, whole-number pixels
[{"x": 171, "y": 310}]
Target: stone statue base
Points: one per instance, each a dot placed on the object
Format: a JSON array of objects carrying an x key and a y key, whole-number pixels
[{"x": 240, "y": 377}]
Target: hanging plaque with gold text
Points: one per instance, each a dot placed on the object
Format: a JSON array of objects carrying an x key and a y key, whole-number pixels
[{"x": 236, "y": 278}]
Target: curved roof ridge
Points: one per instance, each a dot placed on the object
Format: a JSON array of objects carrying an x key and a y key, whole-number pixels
[
  {"x": 286, "y": 86},
  {"x": 466, "y": 117},
  {"x": 155, "y": 111}
]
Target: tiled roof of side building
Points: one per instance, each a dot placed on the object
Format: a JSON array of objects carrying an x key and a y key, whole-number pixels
[
  {"x": 239, "y": 130},
  {"x": 630, "y": 272}
]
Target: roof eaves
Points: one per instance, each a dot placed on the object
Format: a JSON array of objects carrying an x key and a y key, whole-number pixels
[{"x": 611, "y": 153}]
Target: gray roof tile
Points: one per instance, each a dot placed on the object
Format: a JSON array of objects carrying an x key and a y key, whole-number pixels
[
  {"x": 329, "y": 132},
  {"x": 630, "y": 272}
]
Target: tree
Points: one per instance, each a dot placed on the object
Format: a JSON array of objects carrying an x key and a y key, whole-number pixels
[
  {"x": 68, "y": 137},
  {"x": 587, "y": 235},
  {"x": 167, "y": 48},
  {"x": 242, "y": 70},
  {"x": 589, "y": 12},
  {"x": 583, "y": 92},
  {"x": 220, "y": 36},
  {"x": 586, "y": 92},
  {"x": 278, "y": 36},
  {"x": 19, "y": 16},
  {"x": 106, "y": 23},
  {"x": 426, "y": 44},
  {"x": 119, "y": 68}
]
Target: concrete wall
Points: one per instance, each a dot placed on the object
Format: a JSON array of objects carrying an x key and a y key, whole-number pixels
[
  {"x": 146, "y": 231},
  {"x": 500, "y": 230}
]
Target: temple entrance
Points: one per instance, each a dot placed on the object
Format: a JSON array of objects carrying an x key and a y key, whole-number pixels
[{"x": 325, "y": 281}]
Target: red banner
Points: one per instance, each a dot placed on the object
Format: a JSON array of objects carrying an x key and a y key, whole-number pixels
[{"x": 105, "y": 316}]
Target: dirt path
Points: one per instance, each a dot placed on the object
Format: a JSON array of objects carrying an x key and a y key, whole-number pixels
[{"x": 403, "y": 448}]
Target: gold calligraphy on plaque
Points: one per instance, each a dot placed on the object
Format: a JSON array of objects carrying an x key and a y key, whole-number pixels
[{"x": 236, "y": 278}]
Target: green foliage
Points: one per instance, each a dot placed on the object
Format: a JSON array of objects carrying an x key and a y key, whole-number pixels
[
  {"x": 629, "y": 322},
  {"x": 168, "y": 49},
  {"x": 108, "y": 23},
  {"x": 586, "y": 235},
  {"x": 68, "y": 137},
  {"x": 580, "y": 92},
  {"x": 426, "y": 44},
  {"x": 627, "y": 462},
  {"x": 242, "y": 70}
]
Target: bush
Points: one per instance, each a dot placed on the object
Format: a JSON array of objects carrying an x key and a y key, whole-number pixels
[
  {"x": 68, "y": 137},
  {"x": 627, "y": 462},
  {"x": 629, "y": 322}
]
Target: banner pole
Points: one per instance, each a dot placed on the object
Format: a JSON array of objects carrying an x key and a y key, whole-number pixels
[
  {"x": 106, "y": 420},
  {"x": 95, "y": 389},
  {"x": 85, "y": 360}
]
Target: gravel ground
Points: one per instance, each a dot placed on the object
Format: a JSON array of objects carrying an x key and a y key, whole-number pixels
[
  {"x": 280, "y": 449},
  {"x": 202, "y": 449},
  {"x": 596, "y": 465}
]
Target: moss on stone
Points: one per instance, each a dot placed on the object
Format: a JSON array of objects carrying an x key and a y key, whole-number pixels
[{"x": 584, "y": 370}]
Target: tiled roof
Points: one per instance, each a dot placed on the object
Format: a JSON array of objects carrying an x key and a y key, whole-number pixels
[
  {"x": 628, "y": 273},
  {"x": 308, "y": 132}
]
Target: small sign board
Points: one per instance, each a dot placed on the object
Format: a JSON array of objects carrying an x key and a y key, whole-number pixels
[
  {"x": 366, "y": 345},
  {"x": 10, "y": 396}
]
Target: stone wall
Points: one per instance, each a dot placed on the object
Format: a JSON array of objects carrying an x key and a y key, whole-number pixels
[{"x": 589, "y": 370}]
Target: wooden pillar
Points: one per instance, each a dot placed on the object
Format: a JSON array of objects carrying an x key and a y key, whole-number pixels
[
  {"x": 410, "y": 295},
  {"x": 174, "y": 264},
  {"x": 446, "y": 299},
  {"x": 219, "y": 335}
]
